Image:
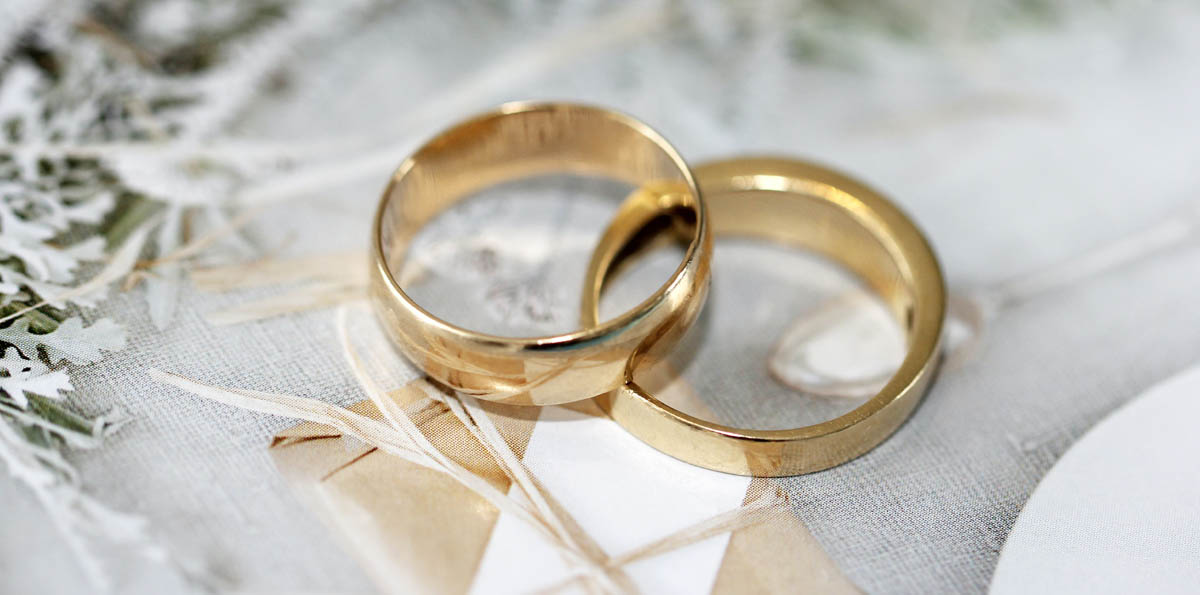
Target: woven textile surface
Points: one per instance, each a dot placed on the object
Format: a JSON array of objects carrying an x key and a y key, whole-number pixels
[{"x": 1026, "y": 156}]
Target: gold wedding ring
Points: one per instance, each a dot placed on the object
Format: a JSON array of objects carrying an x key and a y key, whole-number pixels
[
  {"x": 816, "y": 208},
  {"x": 517, "y": 141}
]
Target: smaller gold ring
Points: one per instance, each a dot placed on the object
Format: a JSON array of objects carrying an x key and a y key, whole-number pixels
[
  {"x": 813, "y": 207},
  {"x": 519, "y": 140}
]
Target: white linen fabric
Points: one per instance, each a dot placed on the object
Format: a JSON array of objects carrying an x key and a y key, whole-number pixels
[{"x": 1014, "y": 153}]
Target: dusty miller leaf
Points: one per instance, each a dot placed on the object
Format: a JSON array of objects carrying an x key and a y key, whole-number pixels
[
  {"x": 76, "y": 430},
  {"x": 70, "y": 341},
  {"x": 162, "y": 290},
  {"x": 21, "y": 377}
]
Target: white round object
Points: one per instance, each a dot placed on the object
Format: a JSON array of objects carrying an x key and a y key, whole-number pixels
[{"x": 1120, "y": 511}]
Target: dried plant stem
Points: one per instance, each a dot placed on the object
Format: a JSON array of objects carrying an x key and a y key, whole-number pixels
[{"x": 400, "y": 435}]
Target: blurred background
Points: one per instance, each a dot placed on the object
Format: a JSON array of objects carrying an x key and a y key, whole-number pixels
[{"x": 1047, "y": 149}]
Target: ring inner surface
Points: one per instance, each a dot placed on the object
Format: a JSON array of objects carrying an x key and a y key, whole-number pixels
[
  {"x": 500, "y": 148},
  {"x": 822, "y": 219},
  {"x": 797, "y": 213}
]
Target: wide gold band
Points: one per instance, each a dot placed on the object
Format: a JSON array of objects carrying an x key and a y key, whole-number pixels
[
  {"x": 816, "y": 208},
  {"x": 516, "y": 141}
]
